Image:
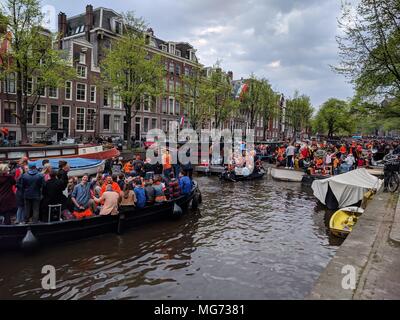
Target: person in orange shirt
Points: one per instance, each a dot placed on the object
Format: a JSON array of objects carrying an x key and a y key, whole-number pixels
[
  {"x": 166, "y": 160},
  {"x": 114, "y": 185},
  {"x": 343, "y": 149},
  {"x": 128, "y": 167}
]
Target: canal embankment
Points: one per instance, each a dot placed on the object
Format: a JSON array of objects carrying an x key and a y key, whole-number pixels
[{"x": 370, "y": 254}]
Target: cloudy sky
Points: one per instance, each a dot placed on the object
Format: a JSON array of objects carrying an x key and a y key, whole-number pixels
[{"x": 289, "y": 42}]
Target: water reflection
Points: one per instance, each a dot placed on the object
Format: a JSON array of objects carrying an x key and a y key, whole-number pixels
[{"x": 249, "y": 240}]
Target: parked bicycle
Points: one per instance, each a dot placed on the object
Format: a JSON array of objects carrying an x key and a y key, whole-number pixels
[{"x": 391, "y": 173}]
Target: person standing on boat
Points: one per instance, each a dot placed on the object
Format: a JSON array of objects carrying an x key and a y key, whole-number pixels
[
  {"x": 81, "y": 196},
  {"x": 289, "y": 156},
  {"x": 32, "y": 184},
  {"x": 8, "y": 199},
  {"x": 53, "y": 192},
  {"x": 63, "y": 171},
  {"x": 110, "y": 200}
]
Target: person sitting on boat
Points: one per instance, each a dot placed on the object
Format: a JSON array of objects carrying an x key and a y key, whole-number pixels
[
  {"x": 139, "y": 193},
  {"x": 121, "y": 181},
  {"x": 138, "y": 165},
  {"x": 173, "y": 186},
  {"x": 109, "y": 181},
  {"x": 110, "y": 201},
  {"x": 149, "y": 191},
  {"x": 185, "y": 184},
  {"x": 159, "y": 195},
  {"x": 128, "y": 196},
  {"x": 8, "y": 199},
  {"x": 82, "y": 198},
  {"x": 46, "y": 171}
]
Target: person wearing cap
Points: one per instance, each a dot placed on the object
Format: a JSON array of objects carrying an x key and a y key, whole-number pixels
[{"x": 32, "y": 183}]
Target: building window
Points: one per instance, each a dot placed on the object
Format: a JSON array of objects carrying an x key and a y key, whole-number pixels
[
  {"x": 90, "y": 119},
  {"x": 53, "y": 92},
  {"x": 10, "y": 110},
  {"x": 106, "y": 98},
  {"x": 164, "y": 105},
  {"x": 171, "y": 86},
  {"x": 10, "y": 83},
  {"x": 154, "y": 123},
  {"x": 145, "y": 124},
  {"x": 29, "y": 85},
  {"x": 171, "y": 68},
  {"x": 81, "y": 71},
  {"x": 171, "y": 105},
  {"x": 146, "y": 103},
  {"x": 177, "y": 107},
  {"x": 41, "y": 115},
  {"x": 164, "y": 125},
  {"x": 117, "y": 124},
  {"x": 118, "y": 27},
  {"x": 82, "y": 58},
  {"x": 68, "y": 90},
  {"x": 80, "y": 119},
  {"x": 106, "y": 122},
  {"x": 177, "y": 69},
  {"x": 178, "y": 53},
  {"x": 41, "y": 89},
  {"x": 81, "y": 92},
  {"x": 187, "y": 71},
  {"x": 93, "y": 94},
  {"x": 117, "y": 101}
]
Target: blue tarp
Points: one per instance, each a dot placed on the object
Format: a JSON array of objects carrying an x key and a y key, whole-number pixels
[{"x": 73, "y": 162}]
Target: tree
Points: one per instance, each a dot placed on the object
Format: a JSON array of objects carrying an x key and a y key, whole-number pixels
[
  {"x": 192, "y": 98},
  {"x": 217, "y": 94},
  {"x": 251, "y": 100},
  {"x": 299, "y": 112},
  {"x": 130, "y": 71},
  {"x": 269, "y": 105},
  {"x": 32, "y": 57},
  {"x": 333, "y": 117},
  {"x": 369, "y": 51}
]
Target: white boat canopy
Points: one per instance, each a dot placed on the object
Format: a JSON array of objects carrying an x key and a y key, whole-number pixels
[{"x": 348, "y": 188}]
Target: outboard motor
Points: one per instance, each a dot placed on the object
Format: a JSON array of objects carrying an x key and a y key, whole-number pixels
[
  {"x": 177, "y": 212},
  {"x": 195, "y": 201},
  {"x": 29, "y": 242}
]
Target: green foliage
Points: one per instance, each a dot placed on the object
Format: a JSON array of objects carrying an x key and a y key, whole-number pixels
[
  {"x": 334, "y": 117},
  {"x": 130, "y": 71},
  {"x": 299, "y": 112},
  {"x": 32, "y": 55}
]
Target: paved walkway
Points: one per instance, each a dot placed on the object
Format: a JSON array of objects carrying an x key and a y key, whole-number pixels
[{"x": 373, "y": 249}]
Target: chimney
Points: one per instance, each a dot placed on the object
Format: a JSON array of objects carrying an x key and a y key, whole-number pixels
[
  {"x": 230, "y": 75},
  {"x": 89, "y": 21},
  {"x": 62, "y": 27},
  {"x": 150, "y": 31}
]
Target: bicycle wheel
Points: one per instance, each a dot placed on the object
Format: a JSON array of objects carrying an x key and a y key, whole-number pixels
[{"x": 393, "y": 183}]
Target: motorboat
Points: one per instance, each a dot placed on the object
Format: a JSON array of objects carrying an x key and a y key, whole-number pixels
[
  {"x": 288, "y": 175},
  {"x": 343, "y": 221}
]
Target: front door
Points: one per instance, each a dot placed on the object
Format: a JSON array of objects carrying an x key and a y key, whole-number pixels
[
  {"x": 137, "y": 129},
  {"x": 65, "y": 121},
  {"x": 54, "y": 118}
]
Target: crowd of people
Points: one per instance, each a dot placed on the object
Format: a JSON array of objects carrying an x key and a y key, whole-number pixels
[
  {"x": 30, "y": 195},
  {"x": 329, "y": 158}
]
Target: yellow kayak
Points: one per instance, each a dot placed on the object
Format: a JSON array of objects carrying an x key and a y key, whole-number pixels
[{"x": 343, "y": 221}]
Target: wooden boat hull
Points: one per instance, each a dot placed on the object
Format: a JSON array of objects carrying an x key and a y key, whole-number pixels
[
  {"x": 343, "y": 221},
  {"x": 287, "y": 175},
  {"x": 234, "y": 178},
  {"x": 12, "y": 237}
]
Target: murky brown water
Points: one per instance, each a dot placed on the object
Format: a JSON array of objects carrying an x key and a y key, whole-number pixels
[{"x": 249, "y": 240}]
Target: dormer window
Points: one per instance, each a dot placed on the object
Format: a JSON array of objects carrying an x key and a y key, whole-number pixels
[
  {"x": 82, "y": 58},
  {"x": 178, "y": 53},
  {"x": 171, "y": 48},
  {"x": 164, "y": 47},
  {"x": 118, "y": 27}
]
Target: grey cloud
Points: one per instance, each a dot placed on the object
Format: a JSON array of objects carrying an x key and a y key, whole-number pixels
[{"x": 250, "y": 36}]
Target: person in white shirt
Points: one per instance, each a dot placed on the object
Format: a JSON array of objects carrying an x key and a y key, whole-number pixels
[{"x": 290, "y": 151}]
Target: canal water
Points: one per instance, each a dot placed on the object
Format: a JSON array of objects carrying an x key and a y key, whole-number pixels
[{"x": 249, "y": 240}]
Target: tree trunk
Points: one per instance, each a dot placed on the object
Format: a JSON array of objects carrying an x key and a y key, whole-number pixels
[
  {"x": 128, "y": 110},
  {"x": 20, "y": 109}
]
